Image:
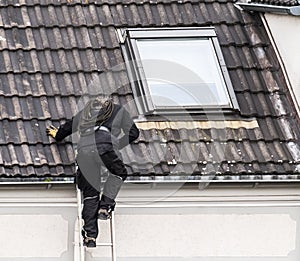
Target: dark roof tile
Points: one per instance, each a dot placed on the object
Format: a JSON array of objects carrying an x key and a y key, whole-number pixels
[
  {"x": 235, "y": 58},
  {"x": 38, "y": 38},
  {"x": 271, "y": 129},
  {"x": 246, "y": 104}
]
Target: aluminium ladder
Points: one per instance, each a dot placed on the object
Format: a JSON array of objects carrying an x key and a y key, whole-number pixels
[{"x": 110, "y": 244}]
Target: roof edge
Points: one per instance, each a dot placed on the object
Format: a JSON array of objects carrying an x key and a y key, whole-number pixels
[
  {"x": 255, "y": 178},
  {"x": 290, "y": 10}
]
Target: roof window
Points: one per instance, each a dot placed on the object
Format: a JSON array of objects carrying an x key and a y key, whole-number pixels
[{"x": 177, "y": 68}]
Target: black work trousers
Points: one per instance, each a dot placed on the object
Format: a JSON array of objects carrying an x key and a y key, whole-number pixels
[{"x": 89, "y": 182}]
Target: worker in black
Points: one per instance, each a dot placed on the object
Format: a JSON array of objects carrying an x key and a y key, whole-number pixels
[{"x": 104, "y": 129}]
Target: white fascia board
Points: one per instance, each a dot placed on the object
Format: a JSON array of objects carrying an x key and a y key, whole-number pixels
[
  {"x": 292, "y": 10},
  {"x": 143, "y": 196}
]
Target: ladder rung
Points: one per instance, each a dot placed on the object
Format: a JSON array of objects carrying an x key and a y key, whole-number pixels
[{"x": 104, "y": 244}]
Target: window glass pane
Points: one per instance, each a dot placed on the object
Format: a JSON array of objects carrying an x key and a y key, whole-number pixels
[{"x": 182, "y": 72}]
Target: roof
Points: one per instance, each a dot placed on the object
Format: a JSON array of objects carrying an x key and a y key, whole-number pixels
[{"x": 50, "y": 52}]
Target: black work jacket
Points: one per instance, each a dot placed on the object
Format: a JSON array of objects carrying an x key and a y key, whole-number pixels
[{"x": 120, "y": 121}]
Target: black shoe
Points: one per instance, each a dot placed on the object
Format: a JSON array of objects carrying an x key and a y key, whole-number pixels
[
  {"x": 104, "y": 214},
  {"x": 89, "y": 242}
]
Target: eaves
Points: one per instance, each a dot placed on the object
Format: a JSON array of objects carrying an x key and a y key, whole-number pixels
[
  {"x": 202, "y": 180},
  {"x": 249, "y": 6}
]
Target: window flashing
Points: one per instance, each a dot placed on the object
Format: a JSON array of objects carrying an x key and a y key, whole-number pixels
[{"x": 225, "y": 74}]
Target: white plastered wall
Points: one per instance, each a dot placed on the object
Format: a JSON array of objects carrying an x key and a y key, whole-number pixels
[
  {"x": 161, "y": 222},
  {"x": 37, "y": 223},
  {"x": 208, "y": 224}
]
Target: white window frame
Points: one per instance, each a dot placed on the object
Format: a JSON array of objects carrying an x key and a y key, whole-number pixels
[{"x": 145, "y": 104}]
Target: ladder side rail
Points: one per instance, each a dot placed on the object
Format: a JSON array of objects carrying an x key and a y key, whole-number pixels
[
  {"x": 113, "y": 237},
  {"x": 79, "y": 209},
  {"x": 112, "y": 242}
]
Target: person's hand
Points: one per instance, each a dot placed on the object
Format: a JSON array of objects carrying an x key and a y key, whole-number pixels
[{"x": 51, "y": 131}]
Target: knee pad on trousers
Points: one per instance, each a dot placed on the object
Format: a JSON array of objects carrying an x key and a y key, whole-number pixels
[{"x": 112, "y": 186}]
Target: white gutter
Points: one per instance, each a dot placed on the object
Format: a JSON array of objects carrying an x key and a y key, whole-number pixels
[
  {"x": 35, "y": 182},
  {"x": 212, "y": 181},
  {"x": 158, "y": 180}
]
